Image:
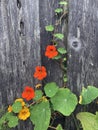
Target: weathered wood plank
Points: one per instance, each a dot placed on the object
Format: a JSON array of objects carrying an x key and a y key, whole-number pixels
[
  {"x": 20, "y": 38},
  {"x": 82, "y": 44},
  {"x": 47, "y": 17},
  {"x": 19, "y": 48},
  {"x": 22, "y": 45}
]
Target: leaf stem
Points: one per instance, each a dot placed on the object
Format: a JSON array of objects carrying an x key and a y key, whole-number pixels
[
  {"x": 77, "y": 126},
  {"x": 52, "y": 127}
]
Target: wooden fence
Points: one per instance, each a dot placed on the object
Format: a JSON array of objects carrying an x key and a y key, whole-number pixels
[{"x": 23, "y": 40}]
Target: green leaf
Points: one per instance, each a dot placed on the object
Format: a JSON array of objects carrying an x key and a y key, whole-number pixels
[
  {"x": 13, "y": 121},
  {"x": 62, "y": 50},
  {"x": 49, "y": 28},
  {"x": 51, "y": 89},
  {"x": 3, "y": 118},
  {"x": 40, "y": 115},
  {"x": 57, "y": 57},
  {"x": 88, "y": 95},
  {"x": 16, "y": 107},
  {"x": 38, "y": 94},
  {"x": 88, "y": 120},
  {"x": 58, "y": 10},
  {"x": 59, "y": 127},
  {"x": 65, "y": 79},
  {"x": 63, "y": 3},
  {"x": 64, "y": 101},
  {"x": 59, "y": 35}
]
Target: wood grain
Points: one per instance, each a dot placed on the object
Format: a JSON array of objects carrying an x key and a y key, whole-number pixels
[{"x": 82, "y": 44}]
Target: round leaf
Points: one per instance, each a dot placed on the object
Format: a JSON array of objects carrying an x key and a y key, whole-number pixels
[
  {"x": 88, "y": 120},
  {"x": 62, "y": 50},
  {"x": 88, "y": 95},
  {"x": 16, "y": 107},
  {"x": 38, "y": 94},
  {"x": 64, "y": 97},
  {"x": 59, "y": 35},
  {"x": 40, "y": 115},
  {"x": 13, "y": 121},
  {"x": 49, "y": 28},
  {"x": 51, "y": 89}
]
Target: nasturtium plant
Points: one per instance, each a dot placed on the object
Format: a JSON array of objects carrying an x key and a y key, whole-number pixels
[
  {"x": 65, "y": 79},
  {"x": 59, "y": 127},
  {"x": 57, "y": 57},
  {"x": 13, "y": 121},
  {"x": 40, "y": 115},
  {"x": 16, "y": 107},
  {"x": 59, "y": 36},
  {"x": 51, "y": 89},
  {"x": 62, "y": 50},
  {"x": 38, "y": 95},
  {"x": 49, "y": 28},
  {"x": 63, "y": 3},
  {"x": 88, "y": 95},
  {"x": 64, "y": 97},
  {"x": 42, "y": 103},
  {"x": 58, "y": 10},
  {"x": 88, "y": 120}
]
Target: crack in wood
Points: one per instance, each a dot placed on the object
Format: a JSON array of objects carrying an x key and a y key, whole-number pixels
[
  {"x": 19, "y": 4},
  {"x": 21, "y": 27}
]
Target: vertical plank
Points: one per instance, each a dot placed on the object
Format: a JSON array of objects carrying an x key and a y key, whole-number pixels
[
  {"x": 19, "y": 48},
  {"x": 82, "y": 44},
  {"x": 47, "y": 17}
]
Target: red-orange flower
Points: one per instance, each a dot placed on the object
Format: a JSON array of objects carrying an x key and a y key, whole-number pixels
[
  {"x": 40, "y": 72},
  {"x": 28, "y": 93},
  {"x": 51, "y": 51}
]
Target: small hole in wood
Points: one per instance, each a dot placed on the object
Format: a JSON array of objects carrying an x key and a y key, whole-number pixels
[
  {"x": 23, "y": 62},
  {"x": 75, "y": 44},
  {"x": 21, "y": 27},
  {"x": 21, "y": 24}
]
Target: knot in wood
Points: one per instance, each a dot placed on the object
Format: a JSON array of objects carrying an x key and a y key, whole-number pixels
[{"x": 74, "y": 43}]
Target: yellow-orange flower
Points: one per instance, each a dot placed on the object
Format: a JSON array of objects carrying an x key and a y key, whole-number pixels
[
  {"x": 9, "y": 108},
  {"x": 21, "y": 101},
  {"x": 24, "y": 113},
  {"x": 38, "y": 85}
]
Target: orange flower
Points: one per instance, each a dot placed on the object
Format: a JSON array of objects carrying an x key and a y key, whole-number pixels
[
  {"x": 51, "y": 51},
  {"x": 28, "y": 93},
  {"x": 40, "y": 72}
]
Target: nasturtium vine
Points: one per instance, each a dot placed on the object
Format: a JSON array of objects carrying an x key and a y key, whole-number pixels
[{"x": 43, "y": 102}]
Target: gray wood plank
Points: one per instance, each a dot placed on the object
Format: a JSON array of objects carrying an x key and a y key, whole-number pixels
[
  {"x": 19, "y": 48},
  {"x": 82, "y": 44},
  {"x": 47, "y": 17}
]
